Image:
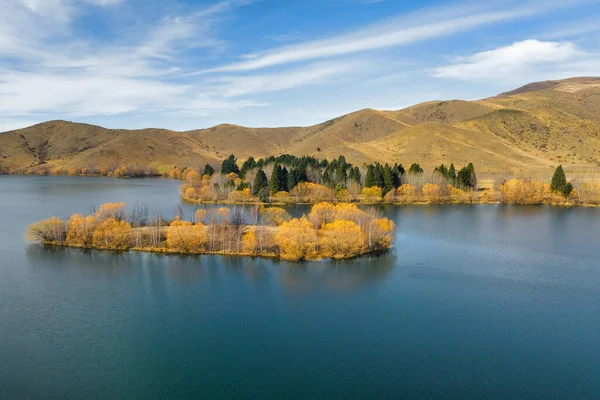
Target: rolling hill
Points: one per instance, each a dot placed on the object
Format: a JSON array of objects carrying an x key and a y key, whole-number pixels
[{"x": 528, "y": 130}]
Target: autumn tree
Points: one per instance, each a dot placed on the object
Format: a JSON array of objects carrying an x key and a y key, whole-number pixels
[
  {"x": 341, "y": 239},
  {"x": 297, "y": 240},
  {"x": 51, "y": 230},
  {"x": 112, "y": 234},
  {"x": 185, "y": 237},
  {"x": 80, "y": 230},
  {"x": 111, "y": 210}
]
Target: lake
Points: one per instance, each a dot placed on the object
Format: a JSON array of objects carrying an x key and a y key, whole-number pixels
[{"x": 478, "y": 301}]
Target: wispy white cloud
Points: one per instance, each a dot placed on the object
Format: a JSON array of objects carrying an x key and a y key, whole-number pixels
[
  {"x": 395, "y": 32},
  {"x": 513, "y": 60},
  {"x": 82, "y": 78},
  {"x": 233, "y": 86}
]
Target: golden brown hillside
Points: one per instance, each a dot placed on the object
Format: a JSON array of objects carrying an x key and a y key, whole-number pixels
[{"x": 528, "y": 130}]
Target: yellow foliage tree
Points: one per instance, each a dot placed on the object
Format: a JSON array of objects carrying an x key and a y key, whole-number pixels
[
  {"x": 80, "y": 230},
  {"x": 341, "y": 239},
  {"x": 343, "y": 195},
  {"x": 51, "y": 230},
  {"x": 112, "y": 234},
  {"x": 372, "y": 194},
  {"x": 191, "y": 193},
  {"x": 297, "y": 240},
  {"x": 322, "y": 213},
  {"x": 111, "y": 210},
  {"x": 241, "y": 196},
  {"x": 185, "y": 237},
  {"x": 250, "y": 243},
  {"x": 380, "y": 234},
  {"x": 348, "y": 212},
  {"x": 432, "y": 193},
  {"x": 407, "y": 194}
]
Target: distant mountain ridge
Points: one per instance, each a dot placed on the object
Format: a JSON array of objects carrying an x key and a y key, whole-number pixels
[{"x": 531, "y": 128}]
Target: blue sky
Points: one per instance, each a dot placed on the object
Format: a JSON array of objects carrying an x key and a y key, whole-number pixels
[{"x": 183, "y": 64}]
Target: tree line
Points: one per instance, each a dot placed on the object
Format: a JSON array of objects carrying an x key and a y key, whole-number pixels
[{"x": 289, "y": 178}]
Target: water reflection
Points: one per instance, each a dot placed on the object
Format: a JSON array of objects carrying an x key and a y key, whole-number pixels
[{"x": 181, "y": 270}]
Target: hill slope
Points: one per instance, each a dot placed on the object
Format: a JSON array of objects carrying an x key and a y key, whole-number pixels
[{"x": 528, "y": 129}]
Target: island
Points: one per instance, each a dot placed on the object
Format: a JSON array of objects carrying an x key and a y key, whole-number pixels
[{"x": 335, "y": 231}]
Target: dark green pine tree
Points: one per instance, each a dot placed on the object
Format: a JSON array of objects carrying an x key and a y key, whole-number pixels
[
  {"x": 452, "y": 174},
  {"x": 260, "y": 182},
  {"x": 229, "y": 165},
  {"x": 472, "y": 176},
  {"x": 249, "y": 164},
  {"x": 463, "y": 179},
  {"x": 351, "y": 176},
  {"x": 208, "y": 170},
  {"x": 415, "y": 169},
  {"x": 356, "y": 174},
  {"x": 388, "y": 179},
  {"x": 275, "y": 182},
  {"x": 559, "y": 180},
  {"x": 284, "y": 179},
  {"x": 567, "y": 189},
  {"x": 294, "y": 178},
  {"x": 379, "y": 175},
  {"x": 370, "y": 177},
  {"x": 341, "y": 174},
  {"x": 396, "y": 176},
  {"x": 401, "y": 170}
]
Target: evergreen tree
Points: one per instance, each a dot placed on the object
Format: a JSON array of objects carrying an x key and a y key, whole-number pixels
[
  {"x": 472, "y": 176},
  {"x": 293, "y": 179},
  {"x": 208, "y": 170},
  {"x": 263, "y": 195},
  {"x": 339, "y": 187},
  {"x": 229, "y": 165},
  {"x": 284, "y": 179},
  {"x": 388, "y": 179},
  {"x": 249, "y": 164},
  {"x": 370, "y": 177},
  {"x": 452, "y": 174},
  {"x": 401, "y": 169},
  {"x": 351, "y": 175},
  {"x": 275, "y": 182},
  {"x": 379, "y": 175},
  {"x": 356, "y": 174},
  {"x": 260, "y": 182},
  {"x": 341, "y": 174},
  {"x": 567, "y": 189},
  {"x": 466, "y": 177},
  {"x": 396, "y": 176},
  {"x": 559, "y": 179},
  {"x": 415, "y": 169}
]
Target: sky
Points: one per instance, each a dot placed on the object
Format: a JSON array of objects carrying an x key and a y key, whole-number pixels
[{"x": 184, "y": 64}]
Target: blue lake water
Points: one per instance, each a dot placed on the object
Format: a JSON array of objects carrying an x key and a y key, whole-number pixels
[{"x": 473, "y": 302}]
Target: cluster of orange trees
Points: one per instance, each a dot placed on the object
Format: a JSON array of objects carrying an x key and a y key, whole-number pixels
[
  {"x": 337, "y": 231},
  {"x": 116, "y": 171}
]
